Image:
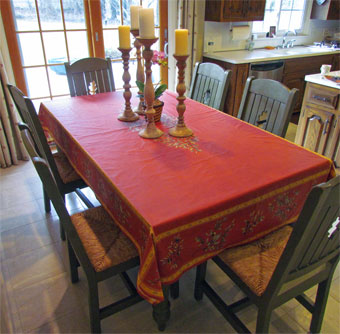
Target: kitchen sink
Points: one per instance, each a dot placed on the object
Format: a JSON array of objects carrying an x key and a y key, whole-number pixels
[{"x": 297, "y": 50}]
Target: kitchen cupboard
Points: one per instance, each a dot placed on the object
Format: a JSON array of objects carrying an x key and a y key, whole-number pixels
[
  {"x": 295, "y": 70},
  {"x": 234, "y": 10},
  {"x": 329, "y": 10},
  {"x": 318, "y": 128}
]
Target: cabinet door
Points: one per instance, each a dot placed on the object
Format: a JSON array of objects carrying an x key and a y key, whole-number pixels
[
  {"x": 295, "y": 70},
  {"x": 333, "y": 146},
  {"x": 313, "y": 129},
  {"x": 213, "y": 10},
  {"x": 255, "y": 10},
  {"x": 234, "y": 10},
  {"x": 327, "y": 11},
  {"x": 298, "y": 83}
]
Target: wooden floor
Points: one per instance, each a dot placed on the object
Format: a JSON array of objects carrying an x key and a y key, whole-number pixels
[{"x": 37, "y": 296}]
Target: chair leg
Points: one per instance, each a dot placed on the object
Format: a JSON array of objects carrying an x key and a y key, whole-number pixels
[
  {"x": 320, "y": 305},
  {"x": 263, "y": 320},
  {"x": 200, "y": 276},
  {"x": 62, "y": 232},
  {"x": 174, "y": 290},
  {"x": 94, "y": 306},
  {"x": 47, "y": 202},
  {"x": 73, "y": 262}
]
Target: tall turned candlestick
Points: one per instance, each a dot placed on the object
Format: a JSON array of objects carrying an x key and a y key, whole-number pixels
[
  {"x": 180, "y": 130},
  {"x": 151, "y": 131},
  {"x": 140, "y": 71},
  {"x": 127, "y": 115}
]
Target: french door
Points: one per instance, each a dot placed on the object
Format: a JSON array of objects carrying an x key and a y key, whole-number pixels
[{"x": 43, "y": 34}]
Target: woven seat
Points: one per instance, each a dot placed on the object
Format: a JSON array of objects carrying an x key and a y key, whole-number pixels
[
  {"x": 105, "y": 244},
  {"x": 255, "y": 263},
  {"x": 94, "y": 241},
  {"x": 284, "y": 264},
  {"x": 66, "y": 171}
]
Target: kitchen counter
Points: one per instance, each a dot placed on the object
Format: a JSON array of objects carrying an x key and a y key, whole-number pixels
[
  {"x": 260, "y": 55},
  {"x": 321, "y": 80}
]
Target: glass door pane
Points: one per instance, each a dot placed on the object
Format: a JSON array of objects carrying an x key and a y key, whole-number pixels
[
  {"x": 49, "y": 33},
  {"x": 114, "y": 14}
]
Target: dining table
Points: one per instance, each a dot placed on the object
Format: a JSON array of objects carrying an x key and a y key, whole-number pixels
[{"x": 182, "y": 200}]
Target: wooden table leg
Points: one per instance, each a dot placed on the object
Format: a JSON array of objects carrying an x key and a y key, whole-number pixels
[{"x": 161, "y": 311}]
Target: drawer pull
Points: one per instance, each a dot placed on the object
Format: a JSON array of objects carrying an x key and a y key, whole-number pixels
[
  {"x": 325, "y": 127},
  {"x": 321, "y": 98}
]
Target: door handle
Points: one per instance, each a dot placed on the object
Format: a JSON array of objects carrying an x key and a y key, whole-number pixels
[
  {"x": 315, "y": 117},
  {"x": 166, "y": 50},
  {"x": 325, "y": 127},
  {"x": 321, "y": 98}
]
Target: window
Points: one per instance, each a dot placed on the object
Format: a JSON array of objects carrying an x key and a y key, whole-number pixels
[
  {"x": 47, "y": 33},
  {"x": 283, "y": 14},
  {"x": 116, "y": 13}
]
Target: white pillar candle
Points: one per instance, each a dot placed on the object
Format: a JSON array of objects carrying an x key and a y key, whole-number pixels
[
  {"x": 124, "y": 37},
  {"x": 134, "y": 17},
  {"x": 146, "y": 23},
  {"x": 181, "y": 42}
]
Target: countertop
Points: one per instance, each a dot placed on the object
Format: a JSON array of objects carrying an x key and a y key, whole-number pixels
[
  {"x": 259, "y": 55},
  {"x": 321, "y": 80}
]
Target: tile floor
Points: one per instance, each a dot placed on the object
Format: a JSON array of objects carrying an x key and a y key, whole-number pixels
[{"x": 37, "y": 296}]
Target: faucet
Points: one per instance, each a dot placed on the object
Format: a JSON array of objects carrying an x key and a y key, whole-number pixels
[{"x": 289, "y": 44}]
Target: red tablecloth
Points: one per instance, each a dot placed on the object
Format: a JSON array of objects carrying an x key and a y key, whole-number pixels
[{"x": 183, "y": 200}]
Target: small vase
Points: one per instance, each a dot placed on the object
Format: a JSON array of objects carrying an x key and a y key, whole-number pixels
[{"x": 158, "y": 106}]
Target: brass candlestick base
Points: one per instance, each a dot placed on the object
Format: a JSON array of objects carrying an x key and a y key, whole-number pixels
[
  {"x": 180, "y": 130},
  {"x": 140, "y": 70},
  {"x": 151, "y": 131},
  {"x": 127, "y": 115}
]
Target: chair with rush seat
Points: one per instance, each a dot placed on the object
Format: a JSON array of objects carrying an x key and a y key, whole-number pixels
[
  {"x": 284, "y": 264},
  {"x": 209, "y": 85},
  {"x": 82, "y": 72},
  {"x": 94, "y": 241},
  {"x": 66, "y": 177},
  {"x": 267, "y": 104}
]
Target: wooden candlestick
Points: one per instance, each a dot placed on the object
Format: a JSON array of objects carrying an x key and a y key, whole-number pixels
[
  {"x": 151, "y": 131},
  {"x": 180, "y": 130},
  {"x": 127, "y": 115},
  {"x": 140, "y": 71}
]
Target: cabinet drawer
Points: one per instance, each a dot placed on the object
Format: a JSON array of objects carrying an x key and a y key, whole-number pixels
[
  {"x": 306, "y": 65},
  {"x": 322, "y": 97}
]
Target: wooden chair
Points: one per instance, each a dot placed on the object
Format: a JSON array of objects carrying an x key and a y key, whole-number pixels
[
  {"x": 83, "y": 71},
  {"x": 66, "y": 177},
  {"x": 267, "y": 104},
  {"x": 94, "y": 241},
  {"x": 284, "y": 264},
  {"x": 209, "y": 85}
]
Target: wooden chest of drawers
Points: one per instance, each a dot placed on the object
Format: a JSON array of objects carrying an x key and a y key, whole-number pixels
[{"x": 319, "y": 123}]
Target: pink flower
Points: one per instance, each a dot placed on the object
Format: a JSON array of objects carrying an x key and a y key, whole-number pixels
[{"x": 159, "y": 58}]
